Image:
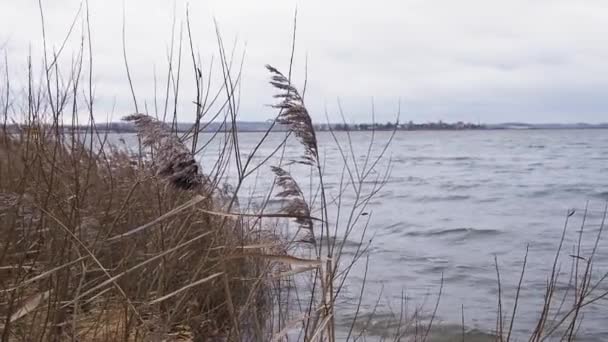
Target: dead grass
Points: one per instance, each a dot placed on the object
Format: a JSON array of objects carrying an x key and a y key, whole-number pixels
[
  {"x": 61, "y": 207},
  {"x": 99, "y": 243}
]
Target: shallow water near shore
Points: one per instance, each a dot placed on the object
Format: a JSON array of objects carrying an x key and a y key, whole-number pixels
[{"x": 454, "y": 201}]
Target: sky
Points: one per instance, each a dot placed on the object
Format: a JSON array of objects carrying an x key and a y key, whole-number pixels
[{"x": 485, "y": 61}]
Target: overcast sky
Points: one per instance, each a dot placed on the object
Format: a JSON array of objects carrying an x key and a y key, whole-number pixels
[{"x": 470, "y": 60}]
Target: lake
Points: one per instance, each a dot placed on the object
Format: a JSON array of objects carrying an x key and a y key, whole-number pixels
[{"x": 454, "y": 201}]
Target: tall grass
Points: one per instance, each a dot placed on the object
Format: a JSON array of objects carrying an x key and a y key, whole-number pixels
[
  {"x": 107, "y": 242},
  {"x": 103, "y": 243}
]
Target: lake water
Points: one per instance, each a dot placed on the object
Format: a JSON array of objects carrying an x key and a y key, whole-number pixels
[{"x": 455, "y": 200}]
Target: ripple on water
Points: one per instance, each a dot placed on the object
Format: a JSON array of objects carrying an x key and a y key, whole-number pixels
[
  {"x": 443, "y": 198},
  {"x": 436, "y": 159},
  {"x": 601, "y": 194},
  {"x": 455, "y": 232},
  {"x": 395, "y": 228},
  {"x": 489, "y": 199},
  {"x": 451, "y": 186},
  {"x": 386, "y": 325}
]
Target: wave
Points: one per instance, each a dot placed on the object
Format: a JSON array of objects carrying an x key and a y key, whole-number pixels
[
  {"x": 419, "y": 259},
  {"x": 394, "y": 228},
  {"x": 554, "y": 189},
  {"x": 460, "y": 158},
  {"x": 451, "y": 186},
  {"x": 382, "y": 322},
  {"x": 539, "y": 193},
  {"x": 490, "y": 199},
  {"x": 410, "y": 180},
  {"x": 463, "y": 232},
  {"x": 579, "y": 144},
  {"x": 443, "y": 198}
]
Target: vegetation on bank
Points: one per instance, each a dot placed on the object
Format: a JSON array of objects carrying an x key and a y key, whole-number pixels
[
  {"x": 105, "y": 243},
  {"x": 244, "y": 126}
]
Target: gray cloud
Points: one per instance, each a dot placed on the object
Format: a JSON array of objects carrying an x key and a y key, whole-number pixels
[{"x": 471, "y": 60}]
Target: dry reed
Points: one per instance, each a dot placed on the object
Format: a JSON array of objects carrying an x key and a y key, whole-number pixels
[{"x": 100, "y": 244}]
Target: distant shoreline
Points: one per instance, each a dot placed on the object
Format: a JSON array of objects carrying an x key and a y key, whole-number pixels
[
  {"x": 260, "y": 127},
  {"x": 385, "y": 130}
]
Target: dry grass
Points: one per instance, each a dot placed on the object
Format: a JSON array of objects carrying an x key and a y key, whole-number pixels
[
  {"x": 67, "y": 214},
  {"x": 101, "y": 244}
]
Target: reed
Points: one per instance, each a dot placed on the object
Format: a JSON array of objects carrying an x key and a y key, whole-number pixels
[{"x": 106, "y": 242}]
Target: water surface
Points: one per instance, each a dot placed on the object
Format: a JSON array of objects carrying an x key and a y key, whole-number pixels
[{"x": 455, "y": 200}]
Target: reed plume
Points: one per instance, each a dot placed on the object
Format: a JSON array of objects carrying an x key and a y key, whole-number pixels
[
  {"x": 295, "y": 115},
  {"x": 174, "y": 161},
  {"x": 295, "y": 205}
]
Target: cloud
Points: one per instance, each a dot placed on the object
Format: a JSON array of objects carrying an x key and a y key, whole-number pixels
[{"x": 490, "y": 61}]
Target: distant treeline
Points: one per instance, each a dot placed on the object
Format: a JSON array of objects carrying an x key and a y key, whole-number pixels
[
  {"x": 245, "y": 126},
  {"x": 262, "y": 126},
  {"x": 410, "y": 126}
]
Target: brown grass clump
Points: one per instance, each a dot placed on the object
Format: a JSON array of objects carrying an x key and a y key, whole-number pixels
[
  {"x": 100, "y": 243},
  {"x": 96, "y": 248}
]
